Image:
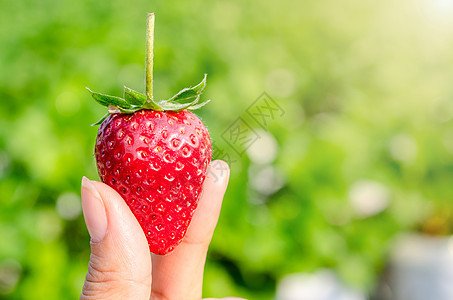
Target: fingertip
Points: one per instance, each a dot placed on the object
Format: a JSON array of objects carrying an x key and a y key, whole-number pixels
[
  {"x": 93, "y": 210},
  {"x": 215, "y": 185},
  {"x": 218, "y": 173},
  {"x": 120, "y": 263},
  {"x": 119, "y": 216},
  {"x": 109, "y": 194},
  {"x": 123, "y": 238}
]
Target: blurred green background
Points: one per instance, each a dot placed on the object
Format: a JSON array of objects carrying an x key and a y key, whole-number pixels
[{"x": 363, "y": 152}]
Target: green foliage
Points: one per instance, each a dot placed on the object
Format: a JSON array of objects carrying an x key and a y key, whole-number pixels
[
  {"x": 367, "y": 94},
  {"x": 187, "y": 98}
]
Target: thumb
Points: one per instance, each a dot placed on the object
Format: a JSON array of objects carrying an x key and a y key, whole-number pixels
[{"x": 120, "y": 261}]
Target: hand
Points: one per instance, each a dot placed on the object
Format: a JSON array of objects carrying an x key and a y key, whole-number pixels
[{"x": 121, "y": 266}]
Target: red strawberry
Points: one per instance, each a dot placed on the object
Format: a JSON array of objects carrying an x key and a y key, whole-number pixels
[
  {"x": 155, "y": 154},
  {"x": 157, "y": 161}
]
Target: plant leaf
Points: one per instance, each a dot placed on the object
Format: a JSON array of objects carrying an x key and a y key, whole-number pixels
[
  {"x": 197, "y": 106},
  {"x": 134, "y": 97},
  {"x": 150, "y": 104},
  {"x": 189, "y": 94},
  {"x": 129, "y": 111},
  {"x": 177, "y": 106},
  {"x": 101, "y": 120},
  {"x": 133, "y": 101},
  {"x": 107, "y": 100}
]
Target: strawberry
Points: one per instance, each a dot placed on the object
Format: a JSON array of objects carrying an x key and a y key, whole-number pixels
[
  {"x": 155, "y": 155},
  {"x": 157, "y": 161}
]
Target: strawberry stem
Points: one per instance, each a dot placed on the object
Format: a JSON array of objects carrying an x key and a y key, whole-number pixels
[
  {"x": 188, "y": 98},
  {"x": 149, "y": 58}
]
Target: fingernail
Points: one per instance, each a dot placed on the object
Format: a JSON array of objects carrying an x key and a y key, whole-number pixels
[
  {"x": 93, "y": 211},
  {"x": 220, "y": 171}
]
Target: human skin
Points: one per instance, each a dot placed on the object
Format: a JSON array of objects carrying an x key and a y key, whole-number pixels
[{"x": 121, "y": 266}]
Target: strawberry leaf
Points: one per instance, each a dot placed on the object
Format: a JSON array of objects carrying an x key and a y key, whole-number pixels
[
  {"x": 189, "y": 94},
  {"x": 134, "y": 97},
  {"x": 150, "y": 104},
  {"x": 188, "y": 98},
  {"x": 177, "y": 106},
  {"x": 199, "y": 105},
  {"x": 107, "y": 100},
  {"x": 101, "y": 120}
]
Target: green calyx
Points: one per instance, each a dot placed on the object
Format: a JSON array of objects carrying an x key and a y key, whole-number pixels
[{"x": 188, "y": 98}]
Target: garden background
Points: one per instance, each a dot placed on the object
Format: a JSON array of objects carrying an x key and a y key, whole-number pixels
[{"x": 360, "y": 152}]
